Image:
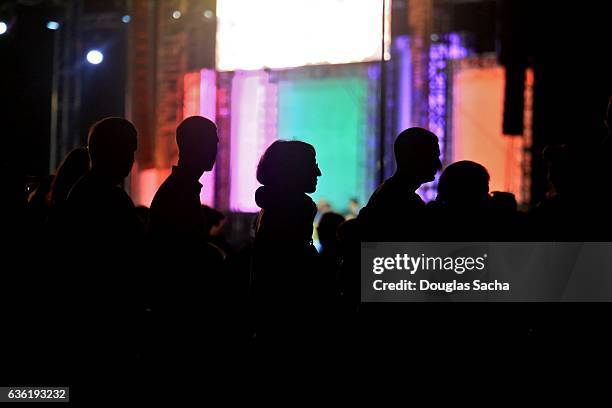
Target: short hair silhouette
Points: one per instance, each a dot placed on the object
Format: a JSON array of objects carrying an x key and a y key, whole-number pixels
[
  {"x": 110, "y": 136},
  {"x": 289, "y": 164},
  {"x": 196, "y": 138},
  {"x": 417, "y": 152},
  {"x": 464, "y": 183},
  {"x": 112, "y": 143}
]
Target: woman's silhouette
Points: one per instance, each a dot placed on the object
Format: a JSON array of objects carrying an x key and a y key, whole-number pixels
[{"x": 285, "y": 261}]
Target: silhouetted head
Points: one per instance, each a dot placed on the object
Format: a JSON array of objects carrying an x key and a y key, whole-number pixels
[
  {"x": 74, "y": 166},
  {"x": 328, "y": 228},
  {"x": 417, "y": 154},
  {"x": 464, "y": 184},
  {"x": 197, "y": 141},
  {"x": 290, "y": 165},
  {"x": 112, "y": 144}
]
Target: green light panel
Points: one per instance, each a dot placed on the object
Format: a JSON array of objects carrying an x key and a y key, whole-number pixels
[{"x": 330, "y": 114}]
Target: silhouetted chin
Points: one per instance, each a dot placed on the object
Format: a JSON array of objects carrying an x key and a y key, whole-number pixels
[{"x": 311, "y": 189}]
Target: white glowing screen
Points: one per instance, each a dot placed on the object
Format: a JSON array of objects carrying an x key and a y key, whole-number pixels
[{"x": 292, "y": 33}]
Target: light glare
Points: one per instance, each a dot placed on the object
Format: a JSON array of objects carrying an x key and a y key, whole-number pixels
[
  {"x": 53, "y": 25},
  {"x": 95, "y": 57},
  {"x": 284, "y": 34}
]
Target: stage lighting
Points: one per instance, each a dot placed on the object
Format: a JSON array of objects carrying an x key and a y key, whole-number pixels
[
  {"x": 260, "y": 34},
  {"x": 208, "y": 14},
  {"x": 53, "y": 25},
  {"x": 176, "y": 14},
  {"x": 95, "y": 57},
  {"x": 3, "y": 27},
  {"x": 126, "y": 19}
]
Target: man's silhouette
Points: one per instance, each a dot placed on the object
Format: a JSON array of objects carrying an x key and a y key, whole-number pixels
[
  {"x": 98, "y": 207},
  {"x": 186, "y": 297},
  {"x": 393, "y": 212},
  {"x": 462, "y": 210},
  {"x": 103, "y": 232},
  {"x": 176, "y": 212}
]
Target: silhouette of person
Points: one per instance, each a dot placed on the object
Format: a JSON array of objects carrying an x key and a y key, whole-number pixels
[
  {"x": 75, "y": 165},
  {"x": 327, "y": 231},
  {"x": 287, "y": 170},
  {"x": 98, "y": 207},
  {"x": 176, "y": 214},
  {"x": 464, "y": 185},
  {"x": 392, "y": 214},
  {"x": 461, "y": 209},
  {"x": 187, "y": 296},
  {"x": 97, "y": 285},
  {"x": 285, "y": 261}
]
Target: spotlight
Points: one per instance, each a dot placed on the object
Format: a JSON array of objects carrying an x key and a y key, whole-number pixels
[
  {"x": 126, "y": 19},
  {"x": 208, "y": 14},
  {"x": 95, "y": 57},
  {"x": 3, "y": 27},
  {"x": 176, "y": 14},
  {"x": 53, "y": 25}
]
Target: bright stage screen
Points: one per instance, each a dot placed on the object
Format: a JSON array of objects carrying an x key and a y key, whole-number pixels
[
  {"x": 291, "y": 33},
  {"x": 331, "y": 115},
  {"x": 478, "y": 111}
]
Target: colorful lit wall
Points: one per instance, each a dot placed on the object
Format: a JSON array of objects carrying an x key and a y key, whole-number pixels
[
  {"x": 330, "y": 114},
  {"x": 253, "y": 129},
  {"x": 326, "y": 107},
  {"x": 335, "y": 108},
  {"x": 477, "y": 118},
  {"x": 198, "y": 98}
]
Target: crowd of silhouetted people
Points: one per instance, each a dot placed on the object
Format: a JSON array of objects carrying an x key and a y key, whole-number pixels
[{"x": 109, "y": 284}]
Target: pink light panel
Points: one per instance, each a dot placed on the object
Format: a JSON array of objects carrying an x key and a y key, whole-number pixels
[{"x": 253, "y": 107}]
